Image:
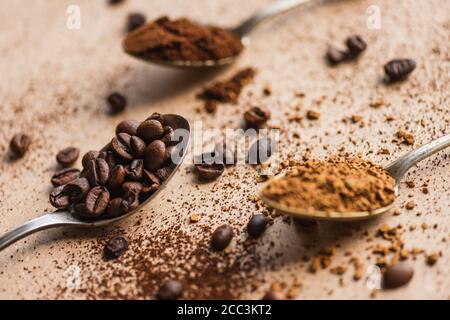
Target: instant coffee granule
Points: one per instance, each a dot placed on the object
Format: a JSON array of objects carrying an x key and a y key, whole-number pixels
[
  {"x": 182, "y": 39},
  {"x": 338, "y": 184}
]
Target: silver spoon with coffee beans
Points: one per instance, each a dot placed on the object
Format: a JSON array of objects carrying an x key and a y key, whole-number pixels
[
  {"x": 138, "y": 43},
  {"x": 396, "y": 170},
  {"x": 100, "y": 205}
]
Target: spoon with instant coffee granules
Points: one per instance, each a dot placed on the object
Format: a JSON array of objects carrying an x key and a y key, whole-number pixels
[
  {"x": 183, "y": 43},
  {"x": 342, "y": 189},
  {"x": 104, "y": 197}
]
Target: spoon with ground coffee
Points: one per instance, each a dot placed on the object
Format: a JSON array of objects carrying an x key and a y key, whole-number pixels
[
  {"x": 342, "y": 189},
  {"x": 154, "y": 181},
  {"x": 183, "y": 43}
]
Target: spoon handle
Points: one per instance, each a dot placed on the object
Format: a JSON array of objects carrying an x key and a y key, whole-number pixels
[
  {"x": 399, "y": 167},
  {"x": 278, "y": 7},
  {"x": 51, "y": 220}
]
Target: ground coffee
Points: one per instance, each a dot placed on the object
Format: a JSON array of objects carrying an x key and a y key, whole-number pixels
[{"x": 337, "y": 184}]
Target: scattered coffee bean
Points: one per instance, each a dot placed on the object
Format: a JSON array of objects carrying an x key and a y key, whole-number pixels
[
  {"x": 91, "y": 155},
  {"x": 116, "y": 247},
  {"x": 65, "y": 176},
  {"x": 398, "y": 69},
  {"x": 128, "y": 126},
  {"x": 98, "y": 172},
  {"x": 97, "y": 201},
  {"x": 117, "y": 102},
  {"x": 59, "y": 199},
  {"x": 117, "y": 176},
  {"x": 135, "y": 20},
  {"x": 397, "y": 275},
  {"x": 170, "y": 290},
  {"x": 356, "y": 45},
  {"x": 256, "y": 117},
  {"x": 135, "y": 170},
  {"x": 208, "y": 172},
  {"x": 261, "y": 151},
  {"x": 20, "y": 144},
  {"x": 335, "y": 56},
  {"x": 257, "y": 225},
  {"x": 121, "y": 145},
  {"x": 154, "y": 155},
  {"x": 67, "y": 156},
  {"x": 115, "y": 207},
  {"x": 77, "y": 189},
  {"x": 221, "y": 237},
  {"x": 150, "y": 130}
]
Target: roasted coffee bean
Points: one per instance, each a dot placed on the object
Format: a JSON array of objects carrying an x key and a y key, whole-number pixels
[
  {"x": 150, "y": 182},
  {"x": 115, "y": 207},
  {"x": 335, "y": 56},
  {"x": 98, "y": 172},
  {"x": 154, "y": 155},
  {"x": 398, "y": 69},
  {"x": 59, "y": 199},
  {"x": 150, "y": 130},
  {"x": 67, "y": 156},
  {"x": 356, "y": 45},
  {"x": 225, "y": 151},
  {"x": 117, "y": 102},
  {"x": 77, "y": 189},
  {"x": 65, "y": 176},
  {"x": 117, "y": 176},
  {"x": 168, "y": 137},
  {"x": 158, "y": 117},
  {"x": 110, "y": 157},
  {"x": 80, "y": 210},
  {"x": 135, "y": 170},
  {"x": 130, "y": 201},
  {"x": 261, "y": 151},
  {"x": 116, "y": 247},
  {"x": 91, "y": 155},
  {"x": 170, "y": 152},
  {"x": 208, "y": 172},
  {"x": 221, "y": 237},
  {"x": 162, "y": 174},
  {"x": 97, "y": 201},
  {"x": 256, "y": 117},
  {"x": 122, "y": 147},
  {"x": 170, "y": 290},
  {"x": 135, "y": 20},
  {"x": 397, "y": 275},
  {"x": 128, "y": 126},
  {"x": 20, "y": 144},
  {"x": 132, "y": 186},
  {"x": 137, "y": 146},
  {"x": 257, "y": 225}
]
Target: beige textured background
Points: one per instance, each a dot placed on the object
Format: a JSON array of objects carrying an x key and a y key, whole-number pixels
[{"x": 53, "y": 83}]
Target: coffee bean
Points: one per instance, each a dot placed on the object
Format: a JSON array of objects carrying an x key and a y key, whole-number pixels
[
  {"x": 121, "y": 145},
  {"x": 356, "y": 45},
  {"x": 135, "y": 170},
  {"x": 398, "y": 69},
  {"x": 256, "y": 117},
  {"x": 261, "y": 151},
  {"x": 117, "y": 102},
  {"x": 150, "y": 130},
  {"x": 135, "y": 20},
  {"x": 150, "y": 182},
  {"x": 20, "y": 144},
  {"x": 137, "y": 146},
  {"x": 97, "y": 201},
  {"x": 128, "y": 126},
  {"x": 116, "y": 247},
  {"x": 132, "y": 186},
  {"x": 154, "y": 155},
  {"x": 162, "y": 174},
  {"x": 170, "y": 290},
  {"x": 98, "y": 172},
  {"x": 67, "y": 156},
  {"x": 114, "y": 2},
  {"x": 168, "y": 137},
  {"x": 65, "y": 176},
  {"x": 221, "y": 237},
  {"x": 208, "y": 172},
  {"x": 91, "y": 155},
  {"x": 115, "y": 207},
  {"x": 59, "y": 199},
  {"x": 77, "y": 189},
  {"x": 335, "y": 56},
  {"x": 158, "y": 117},
  {"x": 130, "y": 201},
  {"x": 257, "y": 225},
  {"x": 80, "y": 210},
  {"x": 110, "y": 157},
  {"x": 397, "y": 275},
  {"x": 117, "y": 176}
]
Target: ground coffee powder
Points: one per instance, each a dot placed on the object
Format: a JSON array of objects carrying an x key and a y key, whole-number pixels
[
  {"x": 337, "y": 184},
  {"x": 182, "y": 39}
]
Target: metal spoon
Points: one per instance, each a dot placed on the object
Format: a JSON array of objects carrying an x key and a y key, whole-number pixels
[
  {"x": 66, "y": 218},
  {"x": 396, "y": 169},
  {"x": 242, "y": 31}
]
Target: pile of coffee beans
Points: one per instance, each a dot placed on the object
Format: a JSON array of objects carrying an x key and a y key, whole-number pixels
[{"x": 118, "y": 178}]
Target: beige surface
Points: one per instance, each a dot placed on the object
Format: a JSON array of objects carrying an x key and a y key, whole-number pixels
[{"x": 53, "y": 83}]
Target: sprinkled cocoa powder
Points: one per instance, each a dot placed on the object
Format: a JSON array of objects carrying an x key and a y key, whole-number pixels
[
  {"x": 337, "y": 184},
  {"x": 182, "y": 39}
]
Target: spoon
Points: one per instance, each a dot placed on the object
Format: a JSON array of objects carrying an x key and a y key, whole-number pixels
[
  {"x": 396, "y": 169},
  {"x": 66, "y": 218},
  {"x": 242, "y": 31}
]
